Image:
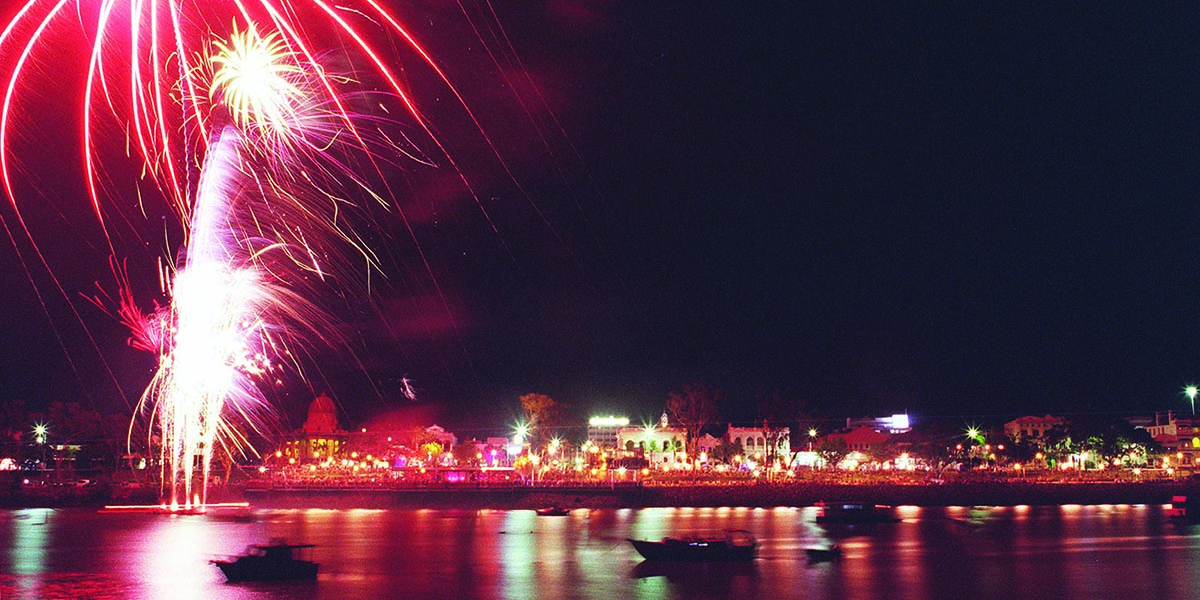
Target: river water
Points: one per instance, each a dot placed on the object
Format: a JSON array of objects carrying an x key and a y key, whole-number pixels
[{"x": 1120, "y": 552}]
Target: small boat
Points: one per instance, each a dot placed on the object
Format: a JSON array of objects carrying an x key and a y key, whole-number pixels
[
  {"x": 736, "y": 545},
  {"x": 236, "y": 514},
  {"x": 855, "y": 512},
  {"x": 1181, "y": 510},
  {"x": 833, "y": 552},
  {"x": 553, "y": 511},
  {"x": 275, "y": 561}
]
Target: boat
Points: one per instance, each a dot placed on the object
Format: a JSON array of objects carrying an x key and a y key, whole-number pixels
[
  {"x": 553, "y": 511},
  {"x": 833, "y": 552},
  {"x": 1182, "y": 511},
  {"x": 236, "y": 514},
  {"x": 854, "y": 513},
  {"x": 735, "y": 545},
  {"x": 274, "y": 561}
]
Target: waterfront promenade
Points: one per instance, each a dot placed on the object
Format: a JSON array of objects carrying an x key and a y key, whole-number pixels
[
  {"x": 363, "y": 493},
  {"x": 998, "y": 493}
]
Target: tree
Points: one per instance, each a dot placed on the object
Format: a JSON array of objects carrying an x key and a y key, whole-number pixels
[
  {"x": 832, "y": 450},
  {"x": 693, "y": 408},
  {"x": 432, "y": 450},
  {"x": 14, "y": 424},
  {"x": 1057, "y": 444},
  {"x": 1106, "y": 437},
  {"x": 725, "y": 451},
  {"x": 544, "y": 416},
  {"x": 774, "y": 409},
  {"x": 889, "y": 450},
  {"x": 934, "y": 441},
  {"x": 81, "y": 431},
  {"x": 465, "y": 454}
]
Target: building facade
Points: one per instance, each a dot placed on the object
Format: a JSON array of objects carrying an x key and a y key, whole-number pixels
[
  {"x": 319, "y": 438},
  {"x": 602, "y": 431},
  {"x": 760, "y": 442},
  {"x": 1180, "y": 436},
  {"x": 1026, "y": 428},
  {"x": 898, "y": 423},
  {"x": 860, "y": 439},
  {"x": 662, "y": 446}
]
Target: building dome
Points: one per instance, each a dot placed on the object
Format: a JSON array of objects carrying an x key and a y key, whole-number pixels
[{"x": 322, "y": 417}]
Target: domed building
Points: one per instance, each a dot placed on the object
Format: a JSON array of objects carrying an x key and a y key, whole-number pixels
[
  {"x": 319, "y": 438},
  {"x": 322, "y": 417}
]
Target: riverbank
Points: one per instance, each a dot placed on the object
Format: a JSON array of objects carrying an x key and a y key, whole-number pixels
[
  {"x": 754, "y": 495},
  {"x": 761, "y": 495}
]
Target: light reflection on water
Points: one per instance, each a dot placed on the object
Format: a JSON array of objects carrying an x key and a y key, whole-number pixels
[{"x": 1068, "y": 553}]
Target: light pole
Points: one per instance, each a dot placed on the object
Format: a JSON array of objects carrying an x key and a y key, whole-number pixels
[
  {"x": 1190, "y": 391},
  {"x": 39, "y": 432},
  {"x": 812, "y": 435}
]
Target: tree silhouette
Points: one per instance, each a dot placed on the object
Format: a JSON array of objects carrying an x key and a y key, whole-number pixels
[
  {"x": 693, "y": 408},
  {"x": 544, "y": 415}
]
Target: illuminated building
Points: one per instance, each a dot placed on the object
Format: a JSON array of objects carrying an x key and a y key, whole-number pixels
[
  {"x": 898, "y": 423},
  {"x": 707, "y": 443},
  {"x": 757, "y": 440},
  {"x": 602, "y": 431},
  {"x": 1180, "y": 436},
  {"x": 319, "y": 438},
  {"x": 1031, "y": 427},
  {"x": 861, "y": 439},
  {"x": 662, "y": 445}
]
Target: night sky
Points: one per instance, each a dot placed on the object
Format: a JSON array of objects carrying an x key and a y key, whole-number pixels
[{"x": 984, "y": 211}]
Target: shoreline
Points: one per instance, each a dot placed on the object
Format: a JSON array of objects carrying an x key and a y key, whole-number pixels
[
  {"x": 750, "y": 496},
  {"x": 756, "y": 495}
]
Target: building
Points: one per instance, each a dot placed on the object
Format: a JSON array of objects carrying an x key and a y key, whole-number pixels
[
  {"x": 440, "y": 435},
  {"x": 1031, "y": 427},
  {"x": 662, "y": 446},
  {"x": 860, "y": 439},
  {"x": 1180, "y": 436},
  {"x": 319, "y": 438},
  {"x": 706, "y": 443},
  {"x": 893, "y": 424},
  {"x": 602, "y": 431},
  {"x": 756, "y": 441}
]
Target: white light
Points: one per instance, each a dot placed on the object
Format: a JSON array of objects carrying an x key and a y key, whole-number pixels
[{"x": 608, "y": 421}]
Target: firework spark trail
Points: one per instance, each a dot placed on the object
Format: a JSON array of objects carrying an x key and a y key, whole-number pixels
[
  {"x": 280, "y": 155},
  {"x": 263, "y": 93},
  {"x": 218, "y": 317}
]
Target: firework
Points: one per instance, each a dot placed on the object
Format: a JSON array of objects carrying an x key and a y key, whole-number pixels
[{"x": 253, "y": 142}]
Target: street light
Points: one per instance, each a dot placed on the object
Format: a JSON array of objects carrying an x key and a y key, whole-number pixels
[
  {"x": 40, "y": 432},
  {"x": 1190, "y": 391}
]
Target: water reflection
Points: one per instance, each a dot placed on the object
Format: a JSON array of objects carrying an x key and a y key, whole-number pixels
[
  {"x": 1070, "y": 553},
  {"x": 26, "y": 551},
  {"x": 695, "y": 580},
  {"x": 518, "y": 552},
  {"x": 28, "y": 547}
]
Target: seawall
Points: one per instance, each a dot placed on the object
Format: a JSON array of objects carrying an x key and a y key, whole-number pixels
[{"x": 751, "y": 495}]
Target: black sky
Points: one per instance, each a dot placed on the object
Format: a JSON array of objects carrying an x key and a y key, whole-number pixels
[{"x": 982, "y": 210}]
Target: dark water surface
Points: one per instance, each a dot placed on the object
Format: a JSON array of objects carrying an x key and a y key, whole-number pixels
[{"x": 1123, "y": 552}]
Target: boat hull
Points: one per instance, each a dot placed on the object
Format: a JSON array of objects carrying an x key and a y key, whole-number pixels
[
  {"x": 855, "y": 513},
  {"x": 247, "y": 568},
  {"x": 671, "y": 550}
]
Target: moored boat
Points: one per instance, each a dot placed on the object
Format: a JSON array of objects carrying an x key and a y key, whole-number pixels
[
  {"x": 736, "y": 545},
  {"x": 855, "y": 512},
  {"x": 1183, "y": 511},
  {"x": 553, "y": 511},
  {"x": 833, "y": 552},
  {"x": 275, "y": 561}
]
